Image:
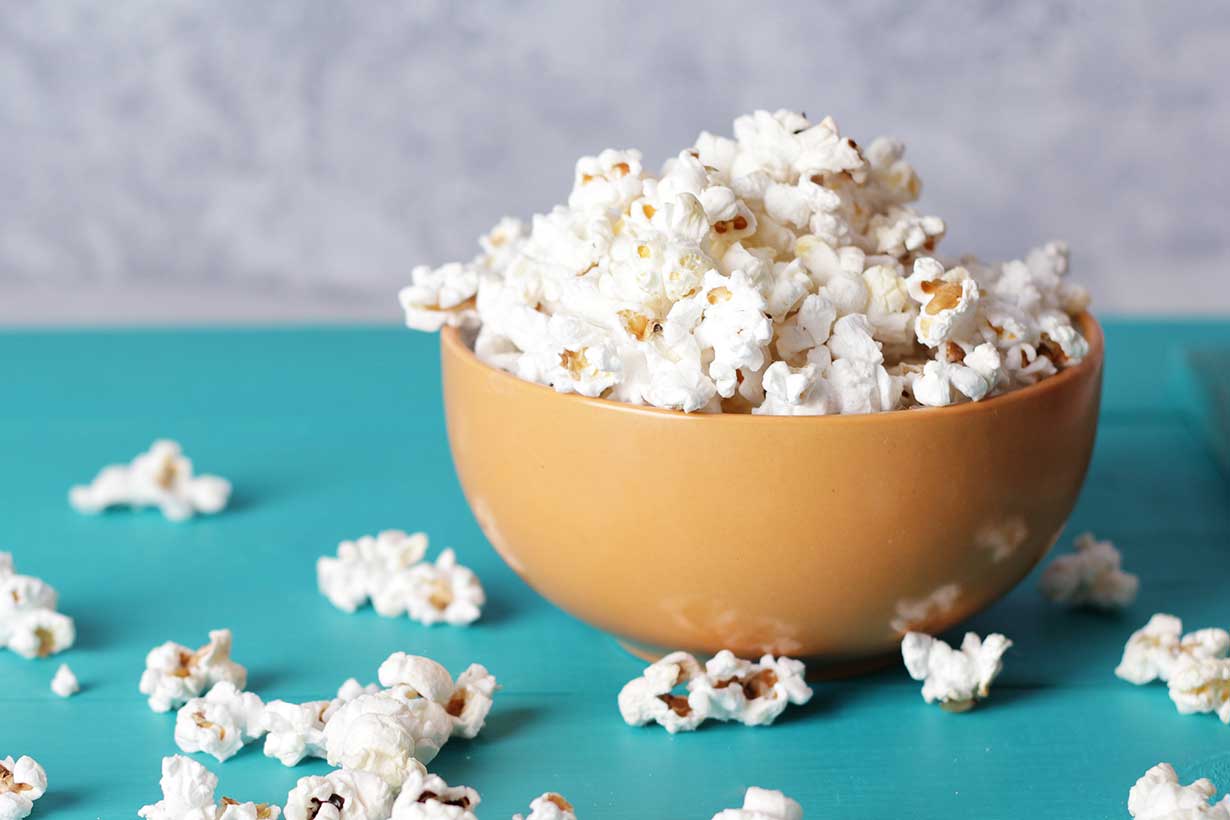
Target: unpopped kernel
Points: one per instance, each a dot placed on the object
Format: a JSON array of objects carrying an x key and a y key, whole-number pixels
[
  {"x": 956, "y": 678},
  {"x": 174, "y": 674},
  {"x": 188, "y": 794},
  {"x": 1153, "y": 650},
  {"x": 712, "y": 286},
  {"x": 763, "y": 804},
  {"x": 221, "y": 722},
  {"x": 1158, "y": 795},
  {"x": 162, "y": 477},
  {"x": 29, "y": 622},
  {"x": 1092, "y": 576},
  {"x": 22, "y": 781},
  {"x": 64, "y": 683},
  {"x": 340, "y": 795}
]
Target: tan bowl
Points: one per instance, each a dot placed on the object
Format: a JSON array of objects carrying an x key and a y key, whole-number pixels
[{"x": 820, "y": 537}]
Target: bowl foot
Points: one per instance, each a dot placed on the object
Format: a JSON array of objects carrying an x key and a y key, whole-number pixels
[{"x": 817, "y": 668}]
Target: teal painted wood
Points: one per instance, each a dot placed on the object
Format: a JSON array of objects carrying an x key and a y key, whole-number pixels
[{"x": 331, "y": 433}]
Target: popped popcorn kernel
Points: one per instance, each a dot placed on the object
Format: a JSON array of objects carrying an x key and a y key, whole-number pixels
[
  {"x": 22, "y": 782},
  {"x": 343, "y": 794},
  {"x": 1092, "y": 576},
  {"x": 1158, "y": 795},
  {"x": 549, "y": 806},
  {"x": 65, "y": 683},
  {"x": 161, "y": 477},
  {"x": 651, "y": 698},
  {"x": 220, "y": 723},
  {"x": 294, "y": 731},
  {"x": 188, "y": 794},
  {"x": 427, "y": 797},
  {"x": 1152, "y": 651},
  {"x": 385, "y": 735},
  {"x": 29, "y": 622},
  {"x": 1201, "y": 686},
  {"x": 174, "y": 674},
  {"x": 763, "y": 804},
  {"x": 955, "y": 678}
]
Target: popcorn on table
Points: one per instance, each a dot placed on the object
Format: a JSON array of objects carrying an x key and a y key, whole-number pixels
[
  {"x": 294, "y": 731},
  {"x": 549, "y": 806},
  {"x": 713, "y": 285},
  {"x": 340, "y": 795},
  {"x": 1153, "y": 650},
  {"x": 188, "y": 794},
  {"x": 389, "y": 570},
  {"x": 1091, "y": 576},
  {"x": 161, "y": 477},
  {"x": 1158, "y": 795},
  {"x": 29, "y": 622},
  {"x": 64, "y": 683},
  {"x": 956, "y": 678},
  {"x": 221, "y": 722},
  {"x": 726, "y": 688},
  {"x": 22, "y": 782},
  {"x": 386, "y": 735},
  {"x": 1201, "y": 686},
  {"x": 763, "y": 804},
  {"x": 175, "y": 674},
  {"x": 427, "y": 797}
]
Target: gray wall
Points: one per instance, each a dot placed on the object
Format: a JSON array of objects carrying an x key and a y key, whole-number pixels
[{"x": 204, "y": 159}]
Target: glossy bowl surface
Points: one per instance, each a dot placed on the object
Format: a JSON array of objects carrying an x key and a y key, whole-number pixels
[{"x": 819, "y": 537}]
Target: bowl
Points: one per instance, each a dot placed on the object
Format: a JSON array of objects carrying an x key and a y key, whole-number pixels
[{"x": 823, "y": 537}]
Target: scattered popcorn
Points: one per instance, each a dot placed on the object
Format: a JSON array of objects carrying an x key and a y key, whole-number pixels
[
  {"x": 1153, "y": 650},
  {"x": 712, "y": 286},
  {"x": 390, "y": 570},
  {"x": 955, "y": 678},
  {"x": 428, "y": 797},
  {"x": 21, "y": 783},
  {"x": 29, "y": 622},
  {"x": 386, "y": 735},
  {"x": 294, "y": 731},
  {"x": 221, "y": 723},
  {"x": 162, "y": 478},
  {"x": 1092, "y": 576},
  {"x": 188, "y": 794},
  {"x": 1158, "y": 795},
  {"x": 340, "y": 795},
  {"x": 1201, "y": 685},
  {"x": 471, "y": 701},
  {"x": 763, "y": 804},
  {"x": 174, "y": 674},
  {"x": 726, "y": 688},
  {"x": 65, "y": 683},
  {"x": 549, "y": 806}
]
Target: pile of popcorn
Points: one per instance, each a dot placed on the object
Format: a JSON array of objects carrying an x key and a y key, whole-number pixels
[
  {"x": 389, "y": 569},
  {"x": 161, "y": 477},
  {"x": 781, "y": 272},
  {"x": 29, "y": 622}
]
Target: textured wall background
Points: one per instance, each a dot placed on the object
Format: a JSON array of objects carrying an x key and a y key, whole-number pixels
[{"x": 188, "y": 159}]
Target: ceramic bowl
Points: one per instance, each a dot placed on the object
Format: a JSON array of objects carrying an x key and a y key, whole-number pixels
[{"x": 818, "y": 537}]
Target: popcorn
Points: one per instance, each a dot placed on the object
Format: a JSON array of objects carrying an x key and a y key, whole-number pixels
[
  {"x": 1201, "y": 685},
  {"x": 65, "y": 683},
  {"x": 174, "y": 674},
  {"x": 29, "y": 622},
  {"x": 1092, "y": 576},
  {"x": 955, "y": 678},
  {"x": 385, "y": 735},
  {"x": 549, "y": 806},
  {"x": 188, "y": 794},
  {"x": 21, "y": 783},
  {"x": 1153, "y": 650},
  {"x": 755, "y": 694},
  {"x": 727, "y": 688},
  {"x": 1158, "y": 795},
  {"x": 389, "y": 569},
  {"x": 763, "y": 804},
  {"x": 685, "y": 290},
  {"x": 427, "y": 797},
  {"x": 294, "y": 731},
  {"x": 162, "y": 478},
  {"x": 471, "y": 701},
  {"x": 221, "y": 723},
  {"x": 340, "y": 795}
]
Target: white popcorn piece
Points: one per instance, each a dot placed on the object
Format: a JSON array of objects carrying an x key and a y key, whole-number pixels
[
  {"x": 388, "y": 734},
  {"x": 421, "y": 677},
  {"x": 471, "y": 701},
  {"x": 1158, "y": 795},
  {"x": 1092, "y": 576},
  {"x": 652, "y": 697},
  {"x": 443, "y": 592},
  {"x": 763, "y": 804},
  {"x": 1201, "y": 686},
  {"x": 188, "y": 794},
  {"x": 427, "y": 797},
  {"x": 29, "y": 622},
  {"x": 754, "y": 694},
  {"x": 341, "y": 795},
  {"x": 22, "y": 781},
  {"x": 1153, "y": 650},
  {"x": 174, "y": 674},
  {"x": 948, "y": 299},
  {"x": 366, "y": 568},
  {"x": 439, "y": 297},
  {"x": 221, "y": 723},
  {"x": 793, "y": 391},
  {"x": 956, "y": 678},
  {"x": 64, "y": 683},
  {"x": 294, "y": 731},
  {"x": 549, "y": 806},
  {"x": 161, "y": 477}
]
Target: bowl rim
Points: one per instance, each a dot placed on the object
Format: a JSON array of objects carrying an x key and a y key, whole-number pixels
[{"x": 453, "y": 347}]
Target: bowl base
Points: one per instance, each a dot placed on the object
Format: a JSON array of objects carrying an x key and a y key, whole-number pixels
[{"x": 817, "y": 668}]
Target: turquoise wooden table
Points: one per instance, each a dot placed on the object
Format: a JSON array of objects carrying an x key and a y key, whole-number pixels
[{"x": 332, "y": 433}]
